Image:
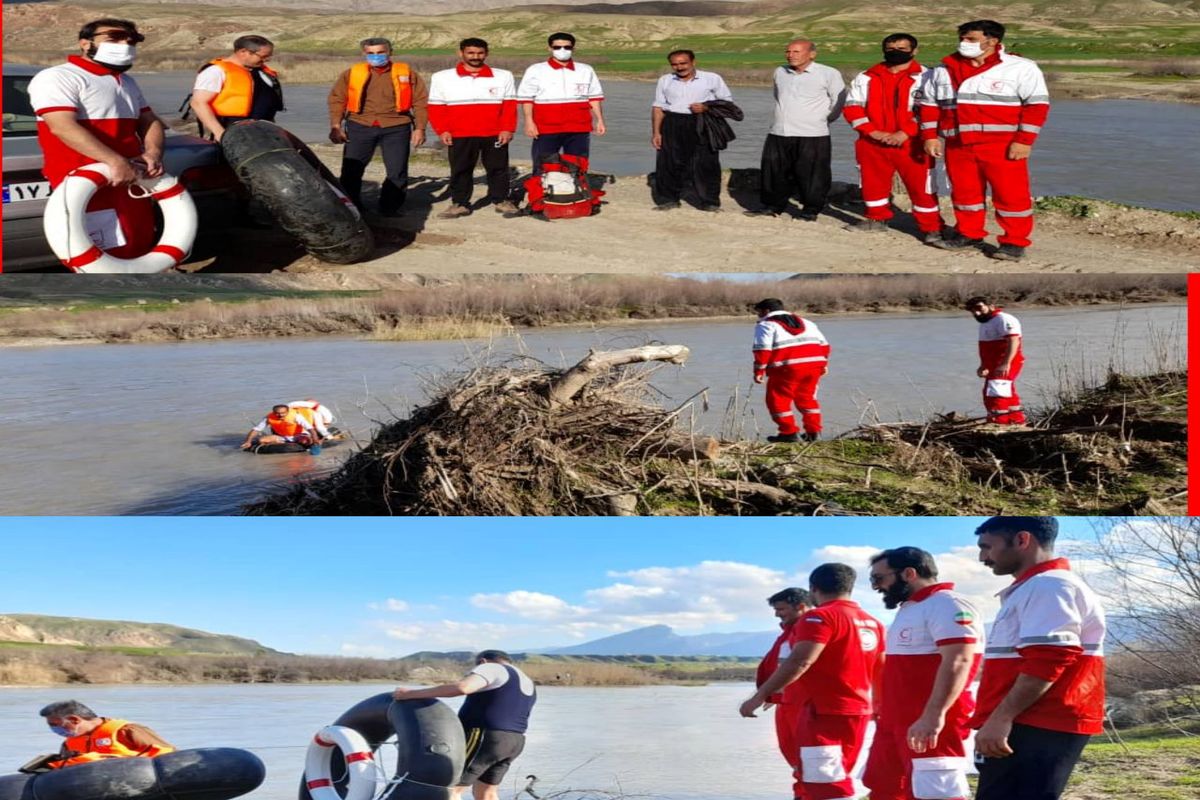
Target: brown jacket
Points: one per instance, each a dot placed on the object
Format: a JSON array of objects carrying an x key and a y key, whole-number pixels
[{"x": 379, "y": 102}]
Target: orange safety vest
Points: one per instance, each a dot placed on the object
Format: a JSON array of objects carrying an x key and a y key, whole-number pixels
[
  {"x": 102, "y": 743},
  {"x": 401, "y": 83},
  {"x": 287, "y": 425},
  {"x": 236, "y": 97}
]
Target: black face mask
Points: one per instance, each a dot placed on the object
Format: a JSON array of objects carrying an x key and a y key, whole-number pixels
[{"x": 894, "y": 58}]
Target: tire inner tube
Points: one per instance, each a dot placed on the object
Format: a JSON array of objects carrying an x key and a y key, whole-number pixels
[
  {"x": 431, "y": 746},
  {"x": 302, "y": 195},
  {"x": 208, "y": 773}
]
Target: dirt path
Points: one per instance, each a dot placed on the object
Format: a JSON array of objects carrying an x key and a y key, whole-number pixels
[{"x": 627, "y": 236}]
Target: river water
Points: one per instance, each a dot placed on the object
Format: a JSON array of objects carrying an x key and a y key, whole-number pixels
[
  {"x": 154, "y": 428},
  {"x": 648, "y": 742},
  {"x": 1129, "y": 151}
]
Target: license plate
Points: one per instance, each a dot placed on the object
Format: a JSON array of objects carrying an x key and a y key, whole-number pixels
[{"x": 23, "y": 192}]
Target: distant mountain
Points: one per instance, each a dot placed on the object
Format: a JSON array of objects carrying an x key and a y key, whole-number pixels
[
  {"x": 661, "y": 640},
  {"x": 102, "y": 633}
]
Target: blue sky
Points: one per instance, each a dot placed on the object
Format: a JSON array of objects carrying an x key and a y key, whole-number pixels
[{"x": 388, "y": 587}]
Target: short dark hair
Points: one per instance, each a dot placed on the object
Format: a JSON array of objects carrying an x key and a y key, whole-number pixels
[
  {"x": 900, "y": 37},
  {"x": 689, "y": 53},
  {"x": 552, "y": 38},
  {"x": 988, "y": 27},
  {"x": 68, "y": 708},
  {"x": 1044, "y": 529},
  {"x": 976, "y": 300},
  {"x": 833, "y": 579},
  {"x": 493, "y": 655},
  {"x": 278, "y": 406},
  {"x": 89, "y": 30},
  {"x": 899, "y": 558},
  {"x": 768, "y": 305},
  {"x": 793, "y": 596},
  {"x": 251, "y": 42},
  {"x": 472, "y": 41}
]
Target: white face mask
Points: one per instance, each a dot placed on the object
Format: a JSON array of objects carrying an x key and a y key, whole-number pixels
[
  {"x": 115, "y": 54},
  {"x": 968, "y": 49},
  {"x": 562, "y": 54}
]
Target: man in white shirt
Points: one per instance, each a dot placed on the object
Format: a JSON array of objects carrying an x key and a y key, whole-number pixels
[
  {"x": 238, "y": 86},
  {"x": 561, "y": 99}
]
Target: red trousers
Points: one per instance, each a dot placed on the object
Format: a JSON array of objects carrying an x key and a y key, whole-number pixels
[
  {"x": 973, "y": 169},
  {"x": 894, "y": 772},
  {"x": 134, "y": 215},
  {"x": 877, "y": 163},
  {"x": 787, "y": 721},
  {"x": 829, "y": 748},
  {"x": 794, "y": 385},
  {"x": 1000, "y": 397}
]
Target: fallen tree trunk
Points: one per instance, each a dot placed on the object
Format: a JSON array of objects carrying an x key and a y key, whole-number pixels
[{"x": 572, "y": 382}]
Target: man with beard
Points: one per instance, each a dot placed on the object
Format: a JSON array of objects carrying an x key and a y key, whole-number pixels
[
  {"x": 789, "y": 605},
  {"x": 934, "y": 648},
  {"x": 1041, "y": 695},
  {"x": 1000, "y": 361},
  {"x": 89, "y": 110}
]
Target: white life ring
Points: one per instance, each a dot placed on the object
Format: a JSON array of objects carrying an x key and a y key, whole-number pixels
[
  {"x": 360, "y": 764},
  {"x": 64, "y": 222}
]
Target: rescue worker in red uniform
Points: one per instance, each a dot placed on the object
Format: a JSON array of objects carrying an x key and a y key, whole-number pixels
[
  {"x": 89, "y": 110},
  {"x": 790, "y": 355},
  {"x": 989, "y": 106},
  {"x": 789, "y": 605},
  {"x": 837, "y": 653},
  {"x": 934, "y": 647},
  {"x": 90, "y": 737},
  {"x": 287, "y": 424},
  {"x": 881, "y": 107},
  {"x": 1041, "y": 694},
  {"x": 1000, "y": 361}
]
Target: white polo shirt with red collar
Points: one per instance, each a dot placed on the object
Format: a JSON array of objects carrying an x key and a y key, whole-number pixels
[
  {"x": 1051, "y": 626},
  {"x": 464, "y": 103},
  {"x": 106, "y": 103},
  {"x": 561, "y": 95}
]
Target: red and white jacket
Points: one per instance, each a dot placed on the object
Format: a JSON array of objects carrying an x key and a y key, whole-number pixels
[
  {"x": 791, "y": 694},
  {"x": 933, "y": 617},
  {"x": 462, "y": 103},
  {"x": 994, "y": 336},
  {"x": 108, "y": 104},
  {"x": 882, "y": 100},
  {"x": 778, "y": 343},
  {"x": 1004, "y": 99},
  {"x": 1051, "y": 626},
  {"x": 561, "y": 95}
]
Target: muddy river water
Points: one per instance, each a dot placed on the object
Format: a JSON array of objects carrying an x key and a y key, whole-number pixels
[{"x": 154, "y": 428}]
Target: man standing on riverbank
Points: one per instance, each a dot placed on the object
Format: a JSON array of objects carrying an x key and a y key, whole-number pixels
[
  {"x": 562, "y": 102},
  {"x": 934, "y": 647},
  {"x": 1041, "y": 695},
  {"x": 685, "y": 157},
  {"x": 236, "y": 87},
  {"x": 90, "y": 737},
  {"x": 495, "y": 716},
  {"x": 473, "y": 110},
  {"x": 1000, "y": 361},
  {"x": 797, "y": 155},
  {"x": 838, "y": 649},
  {"x": 789, "y": 605},
  {"x": 881, "y": 106},
  {"x": 384, "y": 105},
  {"x": 989, "y": 106},
  {"x": 790, "y": 356}
]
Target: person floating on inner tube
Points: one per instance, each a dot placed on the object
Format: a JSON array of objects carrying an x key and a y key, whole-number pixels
[
  {"x": 494, "y": 716},
  {"x": 90, "y": 737},
  {"x": 320, "y": 416},
  {"x": 287, "y": 425}
]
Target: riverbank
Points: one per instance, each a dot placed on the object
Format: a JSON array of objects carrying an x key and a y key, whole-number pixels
[{"x": 36, "y": 310}]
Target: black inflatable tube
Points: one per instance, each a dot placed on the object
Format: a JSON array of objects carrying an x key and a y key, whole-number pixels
[
  {"x": 293, "y": 447},
  {"x": 430, "y": 740},
  {"x": 208, "y": 773},
  {"x": 288, "y": 179}
]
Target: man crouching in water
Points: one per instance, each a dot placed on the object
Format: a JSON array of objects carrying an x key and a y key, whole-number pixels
[{"x": 287, "y": 425}]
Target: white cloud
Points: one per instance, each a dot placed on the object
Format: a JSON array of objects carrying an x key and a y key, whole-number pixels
[
  {"x": 530, "y": 605},
  {"x": 391, "y": 604}
]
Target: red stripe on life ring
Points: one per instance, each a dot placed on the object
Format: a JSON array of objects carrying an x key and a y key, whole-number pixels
[
  {"x": 174, "y": 191},
  {"x": 84, "y": 258},
  {"x": 91, "y": 175},
  {"x": 317, "y": 784},
  {"x": 321, "y": 741},
  {"x": 363, "y": 756},
  {"x": 177, "y": 254}
]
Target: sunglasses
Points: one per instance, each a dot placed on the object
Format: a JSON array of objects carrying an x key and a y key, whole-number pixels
[
  {"x": 562, "y": 46},
  {"x": 120, "y": 36}
]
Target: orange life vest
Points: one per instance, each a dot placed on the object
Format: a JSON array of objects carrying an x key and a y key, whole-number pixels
[
  {"x": 236, "y": 97},
  {"x": 102, "y": 743},
  {"x": 401, "y": 83},
  {"x": 287, "y": 425}
]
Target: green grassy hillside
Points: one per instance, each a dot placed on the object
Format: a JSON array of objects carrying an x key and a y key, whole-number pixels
[{"x": 35, "y": 630}]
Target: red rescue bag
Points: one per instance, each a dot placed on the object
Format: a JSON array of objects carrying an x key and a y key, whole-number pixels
[{"x": 559, "y": 188}]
